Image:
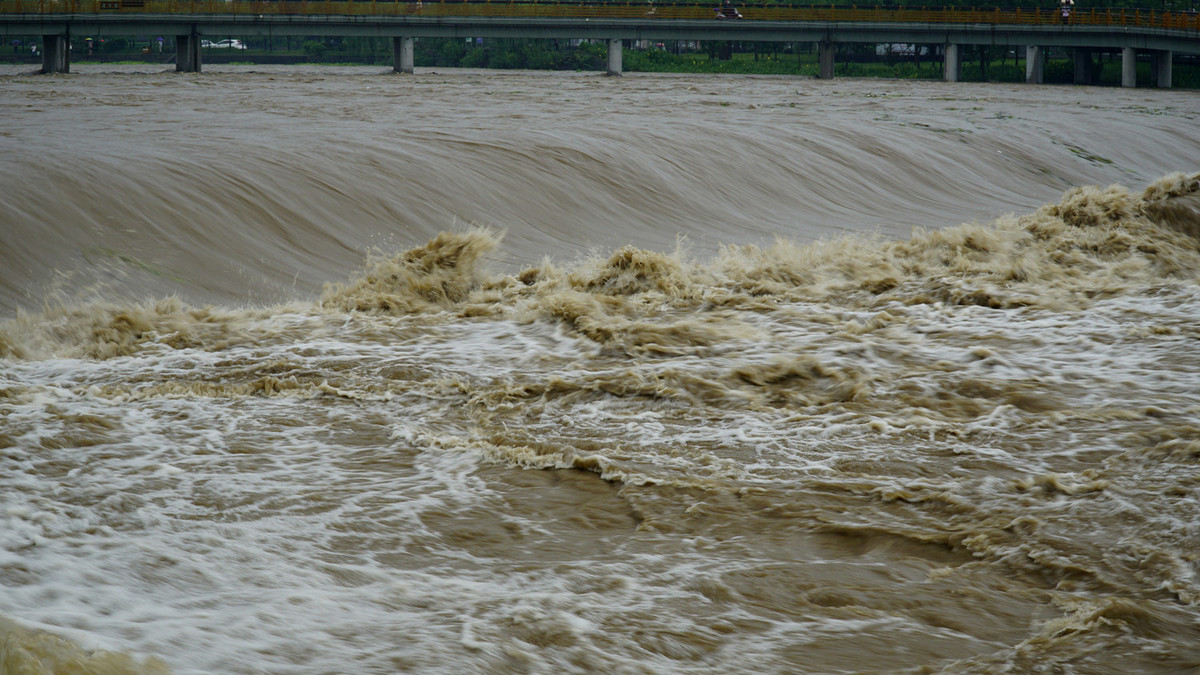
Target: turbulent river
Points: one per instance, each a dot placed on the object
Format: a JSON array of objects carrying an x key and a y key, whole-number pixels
[{"x": 331, "y": 370}]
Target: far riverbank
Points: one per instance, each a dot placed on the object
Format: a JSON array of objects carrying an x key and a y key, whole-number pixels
[{"x": 982, "y": 64}]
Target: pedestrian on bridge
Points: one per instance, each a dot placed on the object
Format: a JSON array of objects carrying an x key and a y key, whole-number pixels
[{"x": 1064, "y": 9}]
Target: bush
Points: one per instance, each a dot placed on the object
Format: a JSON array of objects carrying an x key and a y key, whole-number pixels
[
  {"x": 450, "y": 53},
  {"x": 649, "y": 60},
  {"x": 537, "y": 58},
  {"x": 1057, "y": 72},
  {"x": 506, "y": 60},
  {"x": 587, "y": 56},
  {"x": 1186, "y": 76},
  {"x": 474, "y": 58},
  {"x": 1008, "y": 72}
]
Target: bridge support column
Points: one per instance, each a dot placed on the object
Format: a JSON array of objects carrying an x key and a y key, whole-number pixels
[
  {"x": 1162, "y": 68},
  {"x": 825, "y": 52},
  {"x": 402, "y": 55},
  {"x": 1129, "y": 67},
  {"x": 952, "y": 70},
  {"x": 1084, "y": 68},
  {"x": 56, "y": 57},
  {"x": 1033, "y": 65},
  {"x": 187, "y": 53},
  {"x": 615, "y": 55}
]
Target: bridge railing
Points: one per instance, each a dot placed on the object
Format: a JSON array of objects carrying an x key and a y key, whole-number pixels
[{"x": 1142, "y": 18}]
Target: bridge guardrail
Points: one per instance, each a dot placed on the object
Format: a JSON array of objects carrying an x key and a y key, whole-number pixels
[{"x": 1141, "y": 18}]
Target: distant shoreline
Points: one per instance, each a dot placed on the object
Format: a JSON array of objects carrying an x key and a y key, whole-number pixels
[{"x": 1010, "y": 70}]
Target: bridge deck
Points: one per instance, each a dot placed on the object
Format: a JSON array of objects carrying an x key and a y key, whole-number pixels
[{"x": 1111, "y": 17}]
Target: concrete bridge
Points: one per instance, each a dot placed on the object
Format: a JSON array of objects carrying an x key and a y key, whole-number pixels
[{"x": 1161, "y": 34}]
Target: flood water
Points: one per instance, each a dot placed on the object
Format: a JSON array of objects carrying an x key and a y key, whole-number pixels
[{"x": 332, "y": 370}]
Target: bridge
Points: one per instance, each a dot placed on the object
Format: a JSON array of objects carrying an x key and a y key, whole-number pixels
[{"x": 1159, "y": 34}]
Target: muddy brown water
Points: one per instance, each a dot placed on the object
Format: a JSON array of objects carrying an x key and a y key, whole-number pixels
[{"x": 316, "y": 370}]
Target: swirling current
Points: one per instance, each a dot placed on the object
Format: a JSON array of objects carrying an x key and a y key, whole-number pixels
[{"x": 332, "y": 370}]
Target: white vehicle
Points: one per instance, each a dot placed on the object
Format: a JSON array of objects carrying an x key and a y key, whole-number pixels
[{"x": 223, "y": 44}]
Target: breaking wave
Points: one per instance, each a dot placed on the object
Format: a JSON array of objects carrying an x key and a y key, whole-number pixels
[{"x": 1095, "y": 243}]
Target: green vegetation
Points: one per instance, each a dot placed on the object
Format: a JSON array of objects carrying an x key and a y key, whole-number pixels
[{"x": 523, "y": 54}]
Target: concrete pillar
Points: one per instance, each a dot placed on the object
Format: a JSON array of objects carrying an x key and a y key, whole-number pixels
[
  {"x": 825, "y": 51},
  {"x": 1084, "y": 69},
  {"x": 402, "y": 55},
  {"x": 1033, "y": 65},
  {"x": 615, "y": 54},
  {"x": 187, "y": 53},
  {"x": 56, "y": 55},
  {"x": 1129, "y": 67},
  {"x": 1162, "y": 62},
  {"x": 953, "y": 67}
]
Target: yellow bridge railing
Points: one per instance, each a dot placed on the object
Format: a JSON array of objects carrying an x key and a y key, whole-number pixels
[{"x": 1142, "y": 18}]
